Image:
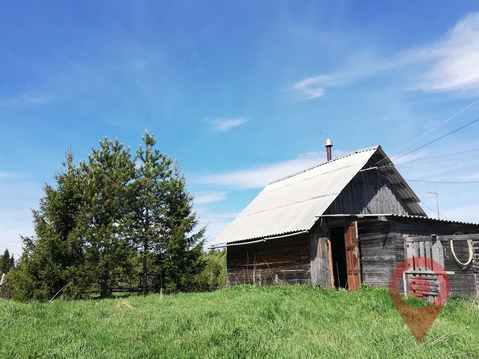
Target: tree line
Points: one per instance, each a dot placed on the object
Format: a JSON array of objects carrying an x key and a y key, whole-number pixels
[{"x": 117, "y": 220}]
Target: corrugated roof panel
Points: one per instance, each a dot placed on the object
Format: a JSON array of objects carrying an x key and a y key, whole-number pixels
[{"x": 293, "y": 203}]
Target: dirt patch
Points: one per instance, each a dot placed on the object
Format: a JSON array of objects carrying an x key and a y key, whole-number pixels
[{"x": 124, "y": 304}]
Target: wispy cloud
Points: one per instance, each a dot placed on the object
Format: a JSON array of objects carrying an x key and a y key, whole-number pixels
[
  {"x": 209, "y": 197},
  {"x": 8, "y": 175},
  {"x": 358, "y": 67},
  {"x": 260, "y": 176},
  {"x": 447, "y": 65},
  {"x": 225, "y": 124},
  {"x": 472, "y": 177},
  {"x": 26, "y": 99},
  {"x": 455, "y": 60},
  {"x": 215, "y": 223}
]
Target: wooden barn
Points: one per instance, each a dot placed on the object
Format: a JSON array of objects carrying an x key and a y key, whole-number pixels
[{"x": 348, "y": 221}]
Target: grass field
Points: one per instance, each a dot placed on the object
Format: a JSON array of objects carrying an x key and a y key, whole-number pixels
[{"x": 241, "y": 322}]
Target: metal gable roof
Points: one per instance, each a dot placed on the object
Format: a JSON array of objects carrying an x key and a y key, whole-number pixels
[{"x": 294, "y": 203}]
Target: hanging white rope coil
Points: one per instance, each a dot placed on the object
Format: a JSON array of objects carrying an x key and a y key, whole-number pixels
[{"x": 471, "y": 253}]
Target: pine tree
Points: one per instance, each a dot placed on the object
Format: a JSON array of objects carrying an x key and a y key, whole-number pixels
[
  {"x": 108, "y": 214},
  {"x": 181, "y": 258},
  {"x": 153, "y": 175}
]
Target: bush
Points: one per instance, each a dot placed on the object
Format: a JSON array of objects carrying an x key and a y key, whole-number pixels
[{"x": 214, "y": 275}]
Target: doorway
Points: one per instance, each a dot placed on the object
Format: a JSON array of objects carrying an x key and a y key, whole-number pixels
[{"x": 338, "y": 256}]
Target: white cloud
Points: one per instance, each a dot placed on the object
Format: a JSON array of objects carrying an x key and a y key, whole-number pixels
[
  {"x": 310, "y": 88},
  {"x": 225, "y": 124},
  {"x": 209, "y": 197},
  {"x": 450, "y": 64},
  {"x": 455, "y": 60},
  {"x": 215, "y": 223},
  {"x": 261, "y": 176},
  {"x": 359, "y": 66}
]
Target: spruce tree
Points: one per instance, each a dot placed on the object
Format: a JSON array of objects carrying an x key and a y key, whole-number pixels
[
  {"x": 54, "y": 257},
  {"x": 181, "y": 257},
  {"x": 6, "y": 262}
]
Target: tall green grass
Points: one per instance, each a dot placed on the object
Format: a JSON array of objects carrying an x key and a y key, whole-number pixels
[{"x": 240, "y": 322}]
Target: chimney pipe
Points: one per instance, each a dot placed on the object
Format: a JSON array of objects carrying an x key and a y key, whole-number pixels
[{"x": 329, "y": 144}]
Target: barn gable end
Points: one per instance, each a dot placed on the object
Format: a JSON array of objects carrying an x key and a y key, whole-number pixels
[{"x": 369, "y": 192}]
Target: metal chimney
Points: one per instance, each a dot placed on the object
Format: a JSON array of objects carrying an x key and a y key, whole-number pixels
[{"x": 329, "y": 144}]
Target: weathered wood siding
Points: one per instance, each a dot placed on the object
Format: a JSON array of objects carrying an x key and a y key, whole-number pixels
[
  {"x": 321, "y": 256},
  {"x": 463, "y": 281},
  {"x": 382, "y": 248},
  {"x": 476, "y": 264},
  {"x": 368, "y": 193},
  {"x": 377, "y": 247},
  {"x": 276, "y": 261}
]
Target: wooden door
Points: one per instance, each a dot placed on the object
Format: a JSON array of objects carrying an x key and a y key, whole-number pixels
[{"x": 352, "y": 256}]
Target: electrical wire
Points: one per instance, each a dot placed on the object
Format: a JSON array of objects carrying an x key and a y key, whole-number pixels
[
  {"x": 445, "y": 155},
  {"x": 438, "y": 125},
  {"x": 437, "y": 139},
  {"x": 447, "y": 182},
  {"x": 437, "y": 162},
  {"x": 434, "y": 210},
  {"x": 429, "y": 131}
]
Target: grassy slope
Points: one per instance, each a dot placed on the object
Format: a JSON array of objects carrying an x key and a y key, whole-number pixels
[{"x": 241, "y": 322}]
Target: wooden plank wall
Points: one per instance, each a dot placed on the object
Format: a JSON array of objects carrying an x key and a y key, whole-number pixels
[
  {"x": 368, "y": 193},
  {"x": 382, "y": 248},
  {"x": 476, "y": 264},
  {"x": 377, "y": 250},
  {"x": 276, "y": 261}
]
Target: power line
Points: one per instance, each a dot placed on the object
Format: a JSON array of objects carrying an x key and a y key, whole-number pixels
[
  {"x": 435, "y": 211},
  {"x": 438, "y": 156},
  {"x": 437, "y": 139},
  {"x": 429, "y": 131},
  {"x": 437, "y": 126},
  {"x": 408, "y": 163},
  {"x": 453, "y": 182}
]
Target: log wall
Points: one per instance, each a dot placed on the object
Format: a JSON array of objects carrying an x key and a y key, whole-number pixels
[
  {"x": 276, "y": 261},
  {"x": 305, "y": 258}
]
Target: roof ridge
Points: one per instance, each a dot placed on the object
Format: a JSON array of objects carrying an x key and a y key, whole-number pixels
[{"x": 325, "y": 163}]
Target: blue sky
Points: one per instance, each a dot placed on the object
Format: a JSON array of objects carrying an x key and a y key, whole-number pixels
[{"x": 242, "y": 93}]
